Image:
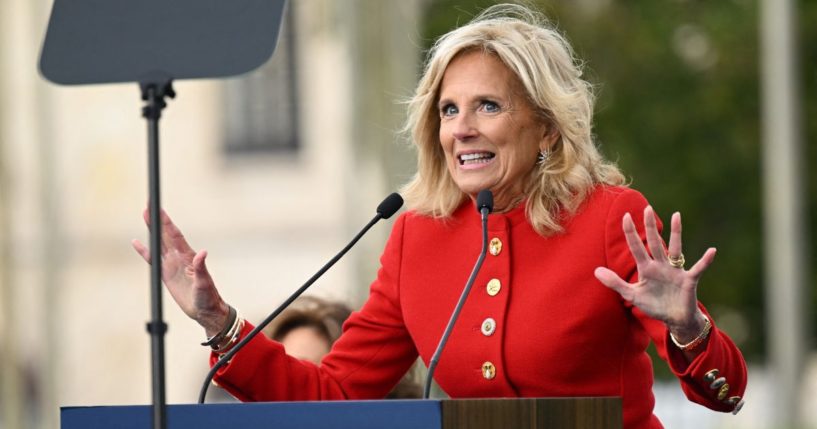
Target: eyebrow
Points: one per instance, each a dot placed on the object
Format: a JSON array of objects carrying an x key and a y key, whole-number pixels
[{"x": 483, "y": 96}]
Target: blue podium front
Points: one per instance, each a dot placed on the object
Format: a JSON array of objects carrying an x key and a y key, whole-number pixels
[{"x": 396, "y": 414}]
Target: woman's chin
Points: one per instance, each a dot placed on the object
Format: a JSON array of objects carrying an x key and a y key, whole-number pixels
[
  {"x": 473, "y": 181},
  {"x": 472, "y": 189}
]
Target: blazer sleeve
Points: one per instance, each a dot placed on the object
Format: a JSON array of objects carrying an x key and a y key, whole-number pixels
[
  {"x": 373, "y": 353},
  {"x": 717, "y": 377}
]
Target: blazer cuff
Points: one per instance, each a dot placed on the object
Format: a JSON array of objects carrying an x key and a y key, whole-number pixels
[{"x": 715, "y": 378}]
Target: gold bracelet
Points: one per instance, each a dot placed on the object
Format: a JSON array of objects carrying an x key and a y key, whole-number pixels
[
  {"x": 232, "y": 315},
  {"x": 235, "y": 335},
  {"x": 695, "y": 342},
  {"x": 228, "y": 335}
]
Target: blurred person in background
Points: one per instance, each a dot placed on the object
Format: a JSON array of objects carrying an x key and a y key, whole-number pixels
[
  {"x": 308, "y": 328},
  {"x": 578, "y": 279}
]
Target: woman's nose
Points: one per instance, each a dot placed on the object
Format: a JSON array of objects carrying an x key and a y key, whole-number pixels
[{"x": 464, "y": 127}]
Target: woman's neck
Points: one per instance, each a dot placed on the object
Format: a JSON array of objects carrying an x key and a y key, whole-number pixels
[{"x": 504, "y": 204}]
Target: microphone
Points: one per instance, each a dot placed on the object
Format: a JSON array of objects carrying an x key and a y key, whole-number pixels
[
  {"x": 485, "y": 201},
  {"x": 390, "y": 205},
  {"x": 385, "y": 210},
  {"x": 485, "y": 205}
]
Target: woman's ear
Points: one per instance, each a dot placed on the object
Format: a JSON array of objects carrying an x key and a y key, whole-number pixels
[{"x": 550, "y": 135}]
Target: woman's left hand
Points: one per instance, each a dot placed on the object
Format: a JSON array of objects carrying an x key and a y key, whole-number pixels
[{"x": 664, "y": 291}]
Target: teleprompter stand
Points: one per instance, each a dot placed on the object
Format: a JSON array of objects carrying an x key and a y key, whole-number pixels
[
  {"x": 153, "y": 42},
  {"x": 154, "y": 93}
]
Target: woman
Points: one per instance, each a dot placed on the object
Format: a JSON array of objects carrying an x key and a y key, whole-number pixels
[{"x": 502, "y": 106}]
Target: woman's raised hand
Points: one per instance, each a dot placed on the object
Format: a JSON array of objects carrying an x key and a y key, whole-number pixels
[
  {"x": 185, "y": 275},
  {"x": 665, "y": 290}
]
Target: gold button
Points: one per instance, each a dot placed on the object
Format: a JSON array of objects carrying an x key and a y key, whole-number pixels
[
  {"x": 711, "y": 375},
  {"x": 493, "y": 287},
  {"x": 488, "y": 327},
  {"x": 495, "y": 247},
  {"x": 718, "y": 383},
  {"x": 488, "y": 371},
  {"x": 723, "y": 392}
]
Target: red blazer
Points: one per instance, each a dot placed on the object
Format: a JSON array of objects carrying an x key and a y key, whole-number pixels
[{"x": 554, "y": 330}]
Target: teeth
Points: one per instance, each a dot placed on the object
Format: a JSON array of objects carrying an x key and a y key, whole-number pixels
[{"x": 473, "y": 158}]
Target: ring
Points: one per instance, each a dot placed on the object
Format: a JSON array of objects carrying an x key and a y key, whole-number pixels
[{"x": 677, "y": 261}]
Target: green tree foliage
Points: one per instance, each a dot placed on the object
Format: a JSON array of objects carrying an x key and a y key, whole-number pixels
[
  {"x": 808, "y": 57},
  {"x": 679, "y": 110}
]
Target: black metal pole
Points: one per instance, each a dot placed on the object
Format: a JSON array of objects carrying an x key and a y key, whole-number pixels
[{"x": 154, "y": 94}]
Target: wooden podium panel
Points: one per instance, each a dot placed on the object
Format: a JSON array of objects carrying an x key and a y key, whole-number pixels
[
  {"x": 534, "y": 413},
  {"x": 550, "y": 413}
]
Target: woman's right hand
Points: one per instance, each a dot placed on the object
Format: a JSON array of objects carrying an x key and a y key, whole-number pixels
[{"x": 185, "y": 275}]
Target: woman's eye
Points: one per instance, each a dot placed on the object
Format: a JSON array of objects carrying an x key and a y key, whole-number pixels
[
  {"x": 490, "y": 106},
  {"x": 448, "y": 110}
]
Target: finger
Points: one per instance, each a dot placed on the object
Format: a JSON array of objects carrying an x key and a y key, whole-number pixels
[
  {"x": 706, "y": 260},
  {"x": 172, "y": 237},
  {"x": 653, "y": 236},
  {"x": 199, "y": 267},
  {"x": 634, "y": 241},
  {"x": 612, "y": 280},
  {"x": 141, "y": 250},
  {"x": 675, "y": 248}
]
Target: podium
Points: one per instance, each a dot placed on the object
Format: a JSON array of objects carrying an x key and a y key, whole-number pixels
[{"x": 526, "y": 413}]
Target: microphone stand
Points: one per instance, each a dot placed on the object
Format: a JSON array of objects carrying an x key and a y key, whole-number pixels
[
  {"x": 485, "y": 204},
  {"x": 154, "y": 94}
]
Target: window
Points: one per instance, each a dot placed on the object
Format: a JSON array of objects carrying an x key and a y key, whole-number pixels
[{"x": 261, "y": 111}]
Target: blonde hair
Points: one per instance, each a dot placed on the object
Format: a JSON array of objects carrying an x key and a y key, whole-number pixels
[{"x": 544, "y": 63}]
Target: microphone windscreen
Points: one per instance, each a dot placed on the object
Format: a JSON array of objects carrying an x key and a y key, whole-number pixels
[
  {"x": 390, "y": 205},
  {"x": 485, "y": 200}
]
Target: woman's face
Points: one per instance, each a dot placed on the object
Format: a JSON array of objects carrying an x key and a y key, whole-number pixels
[
  {"x": 488, "y": 130},
  {"x": 305, "y": 342}
]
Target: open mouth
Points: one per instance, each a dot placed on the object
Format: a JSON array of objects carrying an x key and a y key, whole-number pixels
[{"x": 476, "y": 158}]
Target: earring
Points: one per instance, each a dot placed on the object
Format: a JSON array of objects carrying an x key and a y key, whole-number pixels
[{"x": 543, "y": 157}]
